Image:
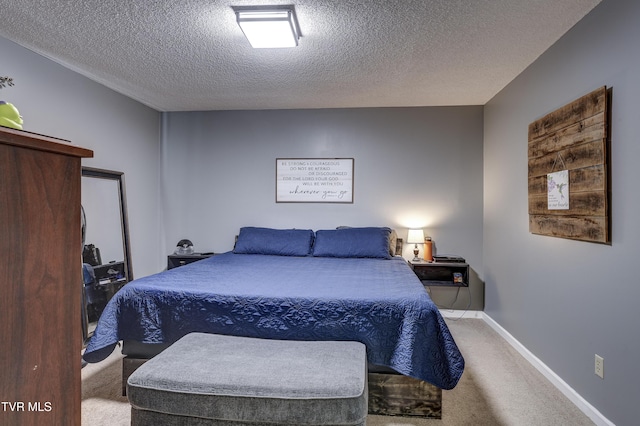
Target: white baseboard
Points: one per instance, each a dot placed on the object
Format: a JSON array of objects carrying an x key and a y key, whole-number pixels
[
  {"x": 582, "y": 404},
  {"x": 456, "y": 314}
]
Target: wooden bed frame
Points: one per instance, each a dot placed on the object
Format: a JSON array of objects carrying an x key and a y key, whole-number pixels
[{"x": 390, "y": 393}]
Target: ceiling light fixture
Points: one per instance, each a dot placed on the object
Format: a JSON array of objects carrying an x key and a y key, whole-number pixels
[{"x": 268, "y": 27}]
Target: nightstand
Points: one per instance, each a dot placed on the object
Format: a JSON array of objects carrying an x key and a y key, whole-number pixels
[
  {"x": 176, "y": 260},
  {"x": 454, "y": 274}
]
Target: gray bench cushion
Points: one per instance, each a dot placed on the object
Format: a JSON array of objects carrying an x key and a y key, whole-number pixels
[{"x": 244, "y": 379}]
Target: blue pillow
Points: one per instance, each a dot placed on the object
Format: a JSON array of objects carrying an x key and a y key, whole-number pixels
[
  {"x": 280, "y": 242},
  {"x": 353, "y": 242}
]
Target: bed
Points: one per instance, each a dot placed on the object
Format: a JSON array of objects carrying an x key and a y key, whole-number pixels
[{"x": 342, "y": 284}]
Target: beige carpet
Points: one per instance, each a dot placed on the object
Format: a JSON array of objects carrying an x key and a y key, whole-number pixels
[{"x": 498, "y": 387}]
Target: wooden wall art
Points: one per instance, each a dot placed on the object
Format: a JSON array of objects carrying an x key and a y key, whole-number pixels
[{"x": 569, "y": 193}]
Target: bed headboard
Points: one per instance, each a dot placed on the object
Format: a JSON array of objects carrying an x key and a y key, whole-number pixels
[{"x": 399, "y": 246}]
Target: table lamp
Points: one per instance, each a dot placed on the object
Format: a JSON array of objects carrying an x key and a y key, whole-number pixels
[{"x": 416, "y": 236}]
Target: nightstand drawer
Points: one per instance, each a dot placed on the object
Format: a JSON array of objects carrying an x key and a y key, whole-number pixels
[
  {"x": 176, "y": 260},
  {"x": 442, "y": 274}
]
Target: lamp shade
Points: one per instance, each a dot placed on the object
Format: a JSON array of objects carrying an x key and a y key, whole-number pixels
[
  {"x": 416, "y": 236},
  {"x": 268, "y": 28}
]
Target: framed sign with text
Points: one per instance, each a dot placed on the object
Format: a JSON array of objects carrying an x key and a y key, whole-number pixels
[{"x": 314, "y": 180}]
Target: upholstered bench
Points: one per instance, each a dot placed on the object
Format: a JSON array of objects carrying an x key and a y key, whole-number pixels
[{"x": 210, "y": 379}]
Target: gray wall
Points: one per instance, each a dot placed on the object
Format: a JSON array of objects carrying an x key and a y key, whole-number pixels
[
  {"x": 568, "y": 300},
  {"x": 414, "y": 167},
  {"x": 123, "y": 134},
  {"x": 212, "y": 172}
]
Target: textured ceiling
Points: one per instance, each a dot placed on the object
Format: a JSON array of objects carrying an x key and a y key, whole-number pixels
[{"x": 190, "y": 55}]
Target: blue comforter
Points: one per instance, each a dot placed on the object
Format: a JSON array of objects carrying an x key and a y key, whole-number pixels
[{"x": 379, "y": 302}]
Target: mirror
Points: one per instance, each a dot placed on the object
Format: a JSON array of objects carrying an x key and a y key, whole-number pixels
[{"x": 106, "y": 254}]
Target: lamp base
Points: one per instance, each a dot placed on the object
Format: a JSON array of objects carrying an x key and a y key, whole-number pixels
[{"x": 416, "y": 251}]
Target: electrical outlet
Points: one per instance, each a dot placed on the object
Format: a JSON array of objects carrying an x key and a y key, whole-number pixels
[{"x": 599, "y": 366}]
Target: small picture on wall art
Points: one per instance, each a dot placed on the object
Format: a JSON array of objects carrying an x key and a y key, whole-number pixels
[{"x": 558, "y": 190}]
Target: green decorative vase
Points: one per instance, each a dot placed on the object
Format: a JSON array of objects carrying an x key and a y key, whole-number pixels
[{"x": 9, "y": 116}]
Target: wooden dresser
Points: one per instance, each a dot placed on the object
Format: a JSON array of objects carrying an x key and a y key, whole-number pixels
[{"x": 40, "y": 279}]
